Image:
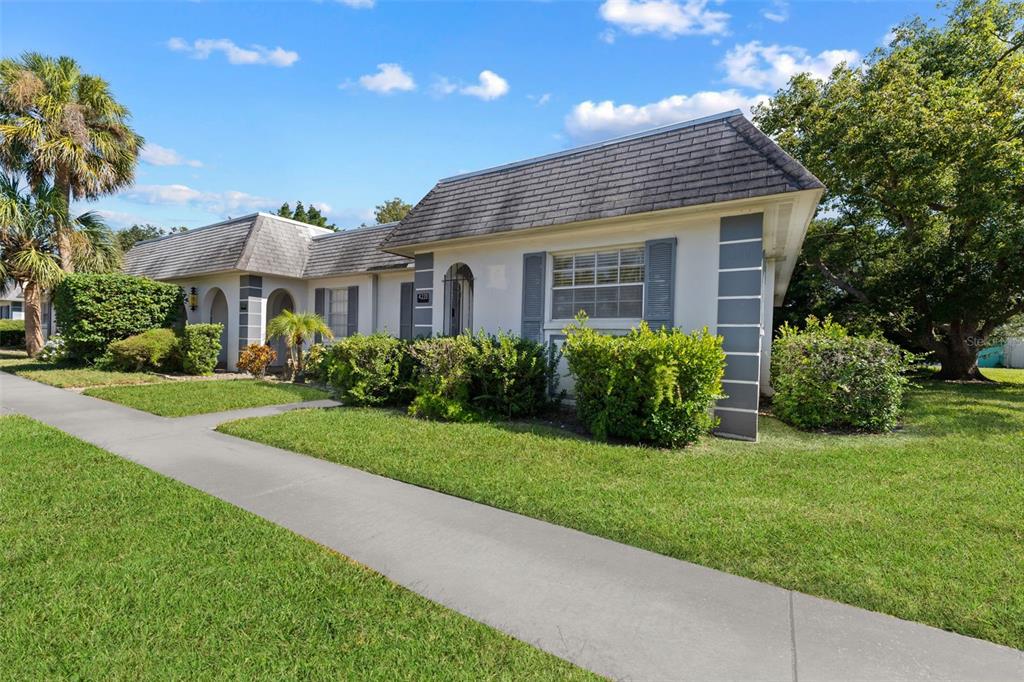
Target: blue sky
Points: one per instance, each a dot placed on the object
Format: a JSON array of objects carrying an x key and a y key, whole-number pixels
[{"x": 345, "y": 104}]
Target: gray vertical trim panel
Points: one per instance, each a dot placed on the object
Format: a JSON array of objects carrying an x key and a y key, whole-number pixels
[
  {"x": 737, "y": 413},
  {"x": 405, "y": 313},
  {"x": 353, "y": 311},
  {"x": 532, "y": 320},
  {"x": 424, "y": 278},
  {"x": 318, "y": 308},
  {"x": 659, "y": 282}
]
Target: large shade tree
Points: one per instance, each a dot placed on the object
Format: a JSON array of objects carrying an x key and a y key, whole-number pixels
[
  {"x": 922, "y": 151},
  {"x": 63, "y": 127},
  {"x": 29, "y": 251}
]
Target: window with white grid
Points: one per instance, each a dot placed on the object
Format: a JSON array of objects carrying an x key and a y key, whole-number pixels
[{"x": 607, "y": 283}]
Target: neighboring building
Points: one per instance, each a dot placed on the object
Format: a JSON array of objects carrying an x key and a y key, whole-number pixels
[
  {"x": 692, "y": 225},
  {"x": 12, "y": 303}
]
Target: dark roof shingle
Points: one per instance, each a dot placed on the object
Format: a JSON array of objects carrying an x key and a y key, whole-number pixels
[
  {"x": 355, "y": 250},
  {"x": 719, "y": 158}
]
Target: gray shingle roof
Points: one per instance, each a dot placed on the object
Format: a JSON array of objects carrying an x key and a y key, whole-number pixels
[
  {"x": 262, "y": 243},
  {"x": 355, "y": 250},
  {"x": 718, "y": 158}
]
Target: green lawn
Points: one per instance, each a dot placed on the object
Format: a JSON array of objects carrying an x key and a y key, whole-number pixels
[
  {"x": 926, "y": 524},
  {"x": 64, "y": 376},
  {"x": 181, "y": 398},
  {"x": 111, "y": 571}
]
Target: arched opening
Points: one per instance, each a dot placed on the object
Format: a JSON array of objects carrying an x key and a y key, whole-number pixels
[
  {"x": 217, "y": 313},
  {"x": 458, "y": 299},
  {"x": 279, "y": 301}
]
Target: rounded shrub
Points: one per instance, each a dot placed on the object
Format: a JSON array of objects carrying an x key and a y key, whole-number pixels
[
  {"x": 826, "y": 378},
  {"x": 314, "y": 365},
  {"x": 651, "y": 387},
  {"x": 12, "y": 333},
  {"x": 255, "y": 358},
  {"x": 510, "y": 376},
  {"x": 155, "y": 350},
  {"x": 200, "y": 347},
  {"x": 443, "y": 375},
  {"x": 366, "y": 370}
]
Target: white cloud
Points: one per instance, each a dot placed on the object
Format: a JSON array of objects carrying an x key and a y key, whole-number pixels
[
  {"x": 254, "y": 54},
  {"x": 358, "y": 4},
  {"x": 777, "y": 11},
  {"x": 667, "y": 18},
  {"x": 539, "y": 100},
  {"x": 490, "y": 86},
  {"x": 771, "y": 66},
  {"x": 443, "y": 86},
  {"x": 230, "y": 201},
  {"x": 595, "y": 119},
  {"x": 607, "y": 36},
  {"x": 389, "y": 78},
  {"x": 323, "y": 207},
  {"x": 156, "y": 155}
]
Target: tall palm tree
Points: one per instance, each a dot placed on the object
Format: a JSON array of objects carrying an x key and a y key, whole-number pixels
[
  {"x": 295, "y": 328},
  {"x": 65, "y": 127},
  {"x": 30, "y": 253}
]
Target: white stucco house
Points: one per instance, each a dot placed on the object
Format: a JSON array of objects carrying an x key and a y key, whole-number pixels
[
  {"x": 12, "y": 303},
  {"x": 693, "y": 225}
]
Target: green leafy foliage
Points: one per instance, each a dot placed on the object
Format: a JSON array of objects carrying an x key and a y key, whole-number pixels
[
  {"x": 152, "y": 350},
  {"x": 652, "y": 387},
  {"x": 443, "y": 374},
  {"x": 315, "y": 366},
  {"x": 200, "y": 346},
  {"x": 12, "y": 333},
  {"x": 826, "y": 378},
  {"x": 130, "y": 236},
  {"x": 96, "y": 309},
  {"x": 366, "y": 370},
  {"x": 310, "y": 215},
  {"x": 255, "y": 358},
  {"x": 391, "y": 211},
  {"x": 921, "y": 150},
  {"x": 510, "y": 377}
]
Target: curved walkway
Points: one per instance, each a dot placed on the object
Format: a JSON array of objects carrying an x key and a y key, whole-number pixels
[{"x": 620, "y": 611}]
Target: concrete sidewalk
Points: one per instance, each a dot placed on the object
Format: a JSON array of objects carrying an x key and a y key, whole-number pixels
[{"x": 619, "y": 611}]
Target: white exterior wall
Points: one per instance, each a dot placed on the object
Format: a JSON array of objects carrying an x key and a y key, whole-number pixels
[
  {"x": 389, "y": 300},
  {"x": 497, "y": 268}
]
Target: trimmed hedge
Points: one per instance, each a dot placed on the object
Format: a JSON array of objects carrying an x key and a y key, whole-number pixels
[
  {"x": 826, "y": 378},
  {"x": 93, "y": 310},
  {"x": 456, "y": 378},
  {"x": 156, "y": 350},
  {"x": 200, "y": 347},
  {"x": 12, "y": 333},
  {"x": 652, "y": 387},
  {"x": 366, "y": 370}
]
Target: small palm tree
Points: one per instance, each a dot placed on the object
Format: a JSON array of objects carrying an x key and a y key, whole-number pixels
[
  {"x": 64, "y": 127},
  {"x": 30, "y": 252},
  {"x": 295, "y": 329}
]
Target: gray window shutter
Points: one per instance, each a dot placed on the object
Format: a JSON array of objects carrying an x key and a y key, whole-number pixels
[
  {"x": 353, "y": 310},
  {"x": 318, "y": 308},
  {"x": 534, "y": 265},
  {"x": 405, "y": 310},
  {"x": 660, "y": 282}
]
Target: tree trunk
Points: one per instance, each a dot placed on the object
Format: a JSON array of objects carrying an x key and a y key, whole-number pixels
[
  {"x": 958, "y": 356},
  {"x": 33, "y": 319},
  {"x": 63, "y": 186}
]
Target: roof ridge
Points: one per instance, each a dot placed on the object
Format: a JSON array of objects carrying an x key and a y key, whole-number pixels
[
  {"x": 249, "y": 245},
  {"x": 296, "y": 223},
  {"x": 776, "y": 155},
  {"x": 193, "y": 230},
  {"x": 358, "y": 228},
  {"x": 596, "y": 145}
]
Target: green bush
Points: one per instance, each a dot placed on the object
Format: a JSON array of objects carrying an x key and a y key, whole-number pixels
[
  {"x": 366, "y": 370},
  {"x": 653, "y": 387},
  {"x": 153, "y": 350},
  {"x": 510, "y": 377},
  {"x": 443, "y": 375},
  {"x": 826, "y": 378},
  {"x": 314, "y": 365},
  {"x": 200, "y": 346},
  {"x": 93, "y": 310},
  {"x": 12, "y": 333}
]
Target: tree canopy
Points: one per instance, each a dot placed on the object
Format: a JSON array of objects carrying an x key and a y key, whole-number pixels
[
  {"x": 130, "y": 236},
  {"x": 391, "y": 211},
  {"x": 921, "y": 149},
  {"x": 305, "y": 214}
]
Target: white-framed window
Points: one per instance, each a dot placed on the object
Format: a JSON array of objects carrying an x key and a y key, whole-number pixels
[
  {"x": 336, "y": 305},
  {"x": 603, "y": 283}
]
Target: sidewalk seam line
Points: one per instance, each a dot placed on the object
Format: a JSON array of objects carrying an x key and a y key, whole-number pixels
[{"x": 792, "y": 633}]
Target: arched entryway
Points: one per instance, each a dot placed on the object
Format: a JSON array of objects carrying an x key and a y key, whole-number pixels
[
  {"x": 279, "y": 301},
  {"x": 217, "y": 313},
  {"x": 458, "y": 299}
]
